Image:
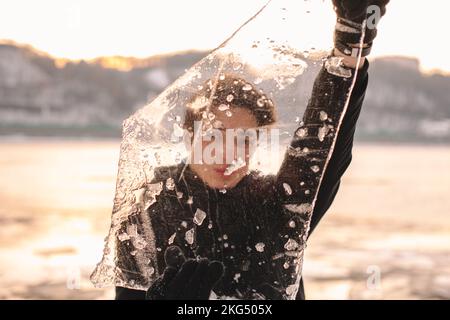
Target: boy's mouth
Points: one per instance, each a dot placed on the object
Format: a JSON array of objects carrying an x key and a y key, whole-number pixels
[{"x": 220, "y": 171}]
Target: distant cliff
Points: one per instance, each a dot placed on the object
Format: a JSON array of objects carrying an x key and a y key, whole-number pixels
[
  {"x": 43, "y": 96},
  {"x": 404, "y": 104}
]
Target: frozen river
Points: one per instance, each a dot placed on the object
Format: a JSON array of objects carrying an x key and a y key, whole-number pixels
[{"x": 386, "y": 236}]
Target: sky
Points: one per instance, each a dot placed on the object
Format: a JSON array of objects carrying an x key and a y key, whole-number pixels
[{"x": 86, "y": 29}]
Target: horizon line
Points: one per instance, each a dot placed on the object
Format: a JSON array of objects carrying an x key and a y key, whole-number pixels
[{"x": 61, "y": 61}]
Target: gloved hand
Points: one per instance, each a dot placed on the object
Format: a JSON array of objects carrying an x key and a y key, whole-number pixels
[
  {"x": 185, "y": 279},
  {"x": 349, "y": 28}
]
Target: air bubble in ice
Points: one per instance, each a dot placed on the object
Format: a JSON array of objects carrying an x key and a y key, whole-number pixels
[
  {"x": 189, "y": 236},
  {"x": 230, "y": 98},
  {"x": 237, "y": 66},
  {"x": 199, "y": 216},
  {"x": 290, "y": 290},
  {"x": 287, "y": 188},
  {"x": 258, "y": 80},
  {"x": 228, "y": 113},
  {"x": 170, "y": 184},
  {"x": 323, "y": 115},
  {"x": 235, "y": 165},
  {"x": 260, "y": 102},
  {"x": 278, "y": 256},
  {"x": 299, "y": 208},
  {"x": 247, "y": 87},
  {"x": 223, "y": 106},
  {"x": 179, "y": 194},
  {"x": 184, "y": 224},
  {"x": 190, "y": 200},
  {"x": 236, "y": 277},
  {"x": 222, "y": 77},
  {"x": 302, "y": 132},
  {"x": 323, "y": 131},
  {"x": 225, "y": 237},
  {"x": 139, "y": 195},
  {"x": 292, "y": 224},
  {"x": 291, "y": 245},
  {"x": 286, "y": 265},
  {"x": 260, "y": 247},
  {"x": 315, "y": 168},
  {"x": 307, "y": 192},
  {"x": 335, "y": 66},
  {"x": 139, "y": 242},
  {"x": 123, "y": 236},
  {"x": 172, "y": 238}
]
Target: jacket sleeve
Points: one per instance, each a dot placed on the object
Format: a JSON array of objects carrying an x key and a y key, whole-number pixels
[
  {"x": 342, "y": 154},
  {"x": 307, "y": 154},
  {"x": 341, "y": 157}
]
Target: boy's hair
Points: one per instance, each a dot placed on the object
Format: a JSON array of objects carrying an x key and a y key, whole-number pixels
[{"x": 233, "y": 92}]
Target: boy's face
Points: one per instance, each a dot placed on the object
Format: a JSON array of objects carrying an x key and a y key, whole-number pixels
[{"x": 228, "y": 173}]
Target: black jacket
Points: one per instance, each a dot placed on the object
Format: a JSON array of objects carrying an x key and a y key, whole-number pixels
[{"x": 258, "y": 212}]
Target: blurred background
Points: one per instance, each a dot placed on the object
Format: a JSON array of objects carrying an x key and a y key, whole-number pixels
[{"x": 71, "y": 72}]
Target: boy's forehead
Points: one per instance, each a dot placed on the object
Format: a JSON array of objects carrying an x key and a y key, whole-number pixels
[{"x": 235, "y": 118}]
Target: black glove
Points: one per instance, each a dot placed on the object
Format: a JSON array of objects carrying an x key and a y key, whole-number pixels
[
  {"x": 185, "y": 279},
  {"x": 349, "y": 25}
]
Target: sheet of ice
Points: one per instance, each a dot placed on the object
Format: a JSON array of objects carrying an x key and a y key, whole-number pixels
[{"x": 278, "y": 54}]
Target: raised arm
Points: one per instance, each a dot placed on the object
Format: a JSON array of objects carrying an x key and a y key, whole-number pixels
[
  {"x": 349, "y": 26},
  {"x": 307, "y": 154},
  {"x": 342, "y": 153}
]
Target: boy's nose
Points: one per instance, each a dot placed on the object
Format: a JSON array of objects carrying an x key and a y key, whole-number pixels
[{"x": 232, "y": 152}]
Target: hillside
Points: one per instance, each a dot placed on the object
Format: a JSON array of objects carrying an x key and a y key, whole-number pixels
[{"x": 43, "y": 96}]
